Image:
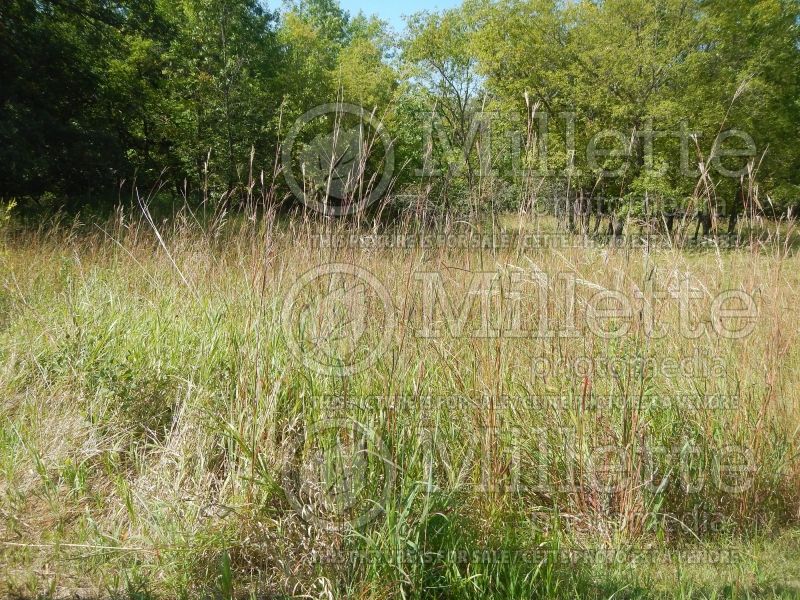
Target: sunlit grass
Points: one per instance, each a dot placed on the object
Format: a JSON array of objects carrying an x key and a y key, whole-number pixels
[{"x": 150, "y": 396}]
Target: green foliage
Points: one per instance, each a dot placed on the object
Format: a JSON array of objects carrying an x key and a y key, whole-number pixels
[
  {"x": 629, "y": 66},
  {"x": 217, "y": 76},
  {"x": 200, "y": 92},
  {"x": 190, "y": 91}
]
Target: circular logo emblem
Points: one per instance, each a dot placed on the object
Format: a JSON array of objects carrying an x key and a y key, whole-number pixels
[
  {"x": 337, "y": 473},
  {"x": 338, "y": 159},
  {"x": 338, "y": 319}
]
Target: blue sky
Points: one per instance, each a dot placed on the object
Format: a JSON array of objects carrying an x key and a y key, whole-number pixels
[{"x": 393, "y": 11}]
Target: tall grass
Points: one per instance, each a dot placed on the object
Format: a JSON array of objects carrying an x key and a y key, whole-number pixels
[{"x": 156, "y": 428}]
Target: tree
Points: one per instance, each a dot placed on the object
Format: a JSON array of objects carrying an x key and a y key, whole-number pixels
[
  {"x": 441, "y": 66},
  {"x": 57, "y": 133},
  {"x": 217, "y": 86}
]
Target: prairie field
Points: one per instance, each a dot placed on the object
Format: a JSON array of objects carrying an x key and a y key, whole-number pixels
[
  {"x": 358, "y": 300},
  {"x": 291, "y": 407}
]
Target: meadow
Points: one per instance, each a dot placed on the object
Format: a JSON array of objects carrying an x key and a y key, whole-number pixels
[
  {"x": 499, "y": 300},
  {"x": 286, "y": 406}
]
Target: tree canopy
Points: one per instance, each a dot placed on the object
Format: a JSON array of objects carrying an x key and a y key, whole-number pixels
[{"x": 633, "y": 97}]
